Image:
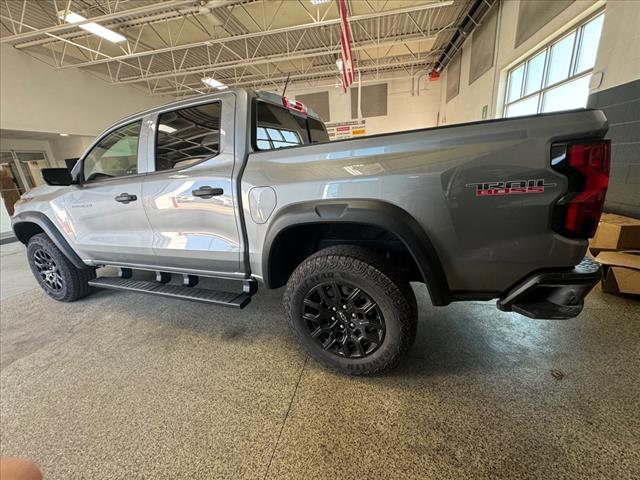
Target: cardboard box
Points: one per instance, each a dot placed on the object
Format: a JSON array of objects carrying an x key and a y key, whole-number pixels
[
  {"x": 619, "y": 280},
  {"x": 616, "y": 232},
  {"x": 621, "y": 272},
  {"x": 629, "y": 259}
]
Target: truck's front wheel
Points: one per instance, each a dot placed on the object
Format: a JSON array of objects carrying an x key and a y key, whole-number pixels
[
  {"x": 57, "y": 276},
  {"x": 350, "y": 311}
]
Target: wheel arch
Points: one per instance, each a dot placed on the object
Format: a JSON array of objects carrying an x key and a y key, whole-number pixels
[
  {"x": 366, "y": 212},
  {"x": 27, "y": 224}
]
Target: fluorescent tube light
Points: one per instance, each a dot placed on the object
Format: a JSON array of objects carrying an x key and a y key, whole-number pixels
[
  {"x": 166, "y": 128},
  {"x": 64, "y": 134},
  {"x": 94, "y": 28},
  {"x": 319, "y": 2},
  {"x": 213, "y": 83}
]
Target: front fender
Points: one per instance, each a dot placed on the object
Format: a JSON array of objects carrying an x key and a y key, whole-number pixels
[{"x": 27, "y": 224}]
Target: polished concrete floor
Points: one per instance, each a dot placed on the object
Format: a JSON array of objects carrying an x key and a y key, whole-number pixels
[{"x": 122, "y": 385}]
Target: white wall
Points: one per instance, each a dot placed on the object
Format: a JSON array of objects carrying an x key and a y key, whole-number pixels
[
  {"x": 405, "y": 111},
  {"x": 489, "y": 88},
  {"x": 69, "y": 147},
  {"x": 36, "y": 97},
  {"x": 618, "y": 59}
]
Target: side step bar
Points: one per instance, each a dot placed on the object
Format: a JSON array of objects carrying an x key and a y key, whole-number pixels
[{"x": 227, "y": 299}]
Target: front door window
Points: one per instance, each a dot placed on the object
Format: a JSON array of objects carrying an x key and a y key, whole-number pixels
[{"x": 116, "y": 155}]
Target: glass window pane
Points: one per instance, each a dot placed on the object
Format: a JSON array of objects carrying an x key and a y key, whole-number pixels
[
  {"x": 26, "y": 156},
  {"x": 535, "y": 69},
  {"x": 275, "y": 134},
  {"x": 264, "y": 145},
  {"x": 187, "y": 136},
  {"x": 262, "y": 134},
  {"x": 589, "y": 44},
  {"x": 515, "y": 84},
  {"x": 32, "y": 170},
  {"x": 523, "y": 107},
  {"x": 317, "y": 131},
  {"x": 115, "y": 155},
  {"x": 277, "y": 121},
  {"x": 567, "y": 96},
  {"x": 10, "y": 183},
  {"x": 291, "y": 137},
  {"x": 560, "y": 59}
]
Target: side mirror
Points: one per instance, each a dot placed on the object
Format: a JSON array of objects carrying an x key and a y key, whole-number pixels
[{"x": 57, "y": 176}]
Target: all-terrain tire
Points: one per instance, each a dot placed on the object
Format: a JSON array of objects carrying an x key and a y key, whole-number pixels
[
  {"x": 70, "y": 283},
  {"x": 368, "y": 271}
]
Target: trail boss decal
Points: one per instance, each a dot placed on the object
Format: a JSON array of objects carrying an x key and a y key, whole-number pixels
[{"x": 512, "y": 187}]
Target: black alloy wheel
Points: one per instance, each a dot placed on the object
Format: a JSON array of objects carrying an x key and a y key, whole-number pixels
[
  {"x": 343, "y": 319},
  {"x": 351, "y": 310},
  {"x": 56, "y": 274},
  {"x": 48, "y": 270}
]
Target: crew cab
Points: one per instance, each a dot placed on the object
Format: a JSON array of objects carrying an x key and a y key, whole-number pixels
[{"x": 246, "y": 187}]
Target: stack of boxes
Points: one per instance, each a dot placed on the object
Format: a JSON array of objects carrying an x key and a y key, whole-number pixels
[{"x": 616, "y": 245}]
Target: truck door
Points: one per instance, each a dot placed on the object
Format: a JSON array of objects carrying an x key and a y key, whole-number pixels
[
  {"x": 188, "y": 195},
  {"x": 105, "y": 217}
]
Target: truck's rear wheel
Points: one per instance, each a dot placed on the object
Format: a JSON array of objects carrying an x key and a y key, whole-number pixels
[
  {"x": 350, "y": 311},
  {"x": 57, "y": 276}
]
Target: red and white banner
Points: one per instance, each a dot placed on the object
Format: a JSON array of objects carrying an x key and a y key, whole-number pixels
[{"x": 348, "y": 69}]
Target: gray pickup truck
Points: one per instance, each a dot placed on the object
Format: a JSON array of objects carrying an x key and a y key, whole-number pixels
[{"x": 246, "y": 187}]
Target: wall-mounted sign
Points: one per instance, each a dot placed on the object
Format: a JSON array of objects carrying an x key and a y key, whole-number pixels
[{"x": 342, "y": 130}]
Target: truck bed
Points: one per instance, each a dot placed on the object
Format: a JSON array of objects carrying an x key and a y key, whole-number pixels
[{"x": 485, "y": 243}]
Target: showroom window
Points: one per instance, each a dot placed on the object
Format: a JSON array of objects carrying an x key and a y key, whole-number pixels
[
  {"x": 556, "y": 78},
  {"x": 187, "y": 136},
  {"x": 116, "y": 155}
]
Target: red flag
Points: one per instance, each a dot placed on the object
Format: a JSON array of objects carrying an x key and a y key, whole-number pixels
[{"x": 348, "y": 69}]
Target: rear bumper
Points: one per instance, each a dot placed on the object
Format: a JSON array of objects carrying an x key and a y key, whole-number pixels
[{"x": 557, "y": 295}]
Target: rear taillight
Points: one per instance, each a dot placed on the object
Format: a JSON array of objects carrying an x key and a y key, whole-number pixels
[{"x": 586, "y": 165}]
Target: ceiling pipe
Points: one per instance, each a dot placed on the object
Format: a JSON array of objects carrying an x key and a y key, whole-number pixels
[{"x": 473, "y": 18}]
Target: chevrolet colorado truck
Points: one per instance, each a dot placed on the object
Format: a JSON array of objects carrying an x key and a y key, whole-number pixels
[{"x": 246, "y": 187}]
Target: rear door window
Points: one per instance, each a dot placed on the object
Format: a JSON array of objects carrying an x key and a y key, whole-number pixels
[{"x": 187, "y": 136}]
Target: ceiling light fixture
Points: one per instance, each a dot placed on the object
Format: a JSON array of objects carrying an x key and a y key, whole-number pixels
[
  {"x": 166, "y": 128},
  {"x": 64, "y": 134},
  {"x": 94, "y": 28},
  {"x": 319, "y": 2},
  {"x": 213, "y": 83}
]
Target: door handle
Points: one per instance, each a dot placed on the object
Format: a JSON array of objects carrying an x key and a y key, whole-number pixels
[
  {"x": 126, "y": 198},
  {"x": 207, "y": 192}
]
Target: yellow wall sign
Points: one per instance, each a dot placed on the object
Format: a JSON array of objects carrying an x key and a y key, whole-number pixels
[{"x": 342, "y": 130}]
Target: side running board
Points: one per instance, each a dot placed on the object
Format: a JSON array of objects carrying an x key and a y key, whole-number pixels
[{"x": 227, "y": 299}]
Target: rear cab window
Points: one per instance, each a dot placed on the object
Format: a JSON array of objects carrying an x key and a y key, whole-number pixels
[{"x": 278, "y": 127}]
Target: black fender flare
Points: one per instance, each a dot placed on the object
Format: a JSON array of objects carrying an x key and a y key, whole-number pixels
[
  {"x": 20, "y": 220},
  {"x": 376, "y": 213}
]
